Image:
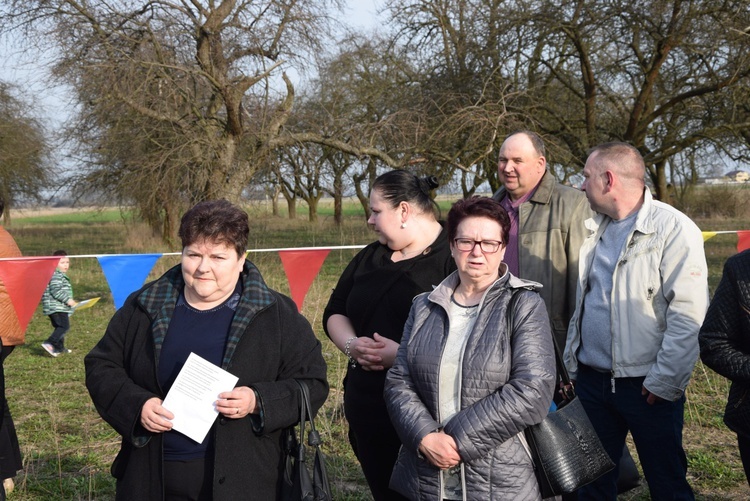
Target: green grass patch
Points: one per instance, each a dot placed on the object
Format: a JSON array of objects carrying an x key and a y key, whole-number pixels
[
  {"x": 85, "y": 216},
  {"x": 712, "y": 471}
]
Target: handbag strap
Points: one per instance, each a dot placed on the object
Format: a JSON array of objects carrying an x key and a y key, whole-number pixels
[
  {"x": 562, "y": 371},
  {"x": 300, "y": 452},
  {"x": 313, "y": 437}
]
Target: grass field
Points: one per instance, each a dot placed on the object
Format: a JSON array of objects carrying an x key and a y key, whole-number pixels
[{"x": 68, "y": 449}]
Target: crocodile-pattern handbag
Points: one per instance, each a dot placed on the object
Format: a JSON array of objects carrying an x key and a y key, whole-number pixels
[{"x": 566, "y": 451}]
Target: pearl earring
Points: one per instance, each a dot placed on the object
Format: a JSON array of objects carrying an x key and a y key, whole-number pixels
[{"x": 403, "y": 225}]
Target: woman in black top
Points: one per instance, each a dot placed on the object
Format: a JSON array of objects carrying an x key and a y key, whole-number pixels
[{"x": 367, "y": 310}]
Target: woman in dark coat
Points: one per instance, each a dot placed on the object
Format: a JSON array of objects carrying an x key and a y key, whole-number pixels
[
  {"x": 367, "y": 310},
  {"x": 725, "y": 346},
  {"x": 215, "y": 304}
]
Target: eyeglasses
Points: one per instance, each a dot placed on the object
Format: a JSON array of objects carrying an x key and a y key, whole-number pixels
[{"x": 467, "y": 245}]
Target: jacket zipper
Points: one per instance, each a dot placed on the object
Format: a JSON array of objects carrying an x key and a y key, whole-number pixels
[{"x": 622, "y": 261}]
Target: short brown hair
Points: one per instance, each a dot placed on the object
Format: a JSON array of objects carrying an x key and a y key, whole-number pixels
[
  {"x": 623, "y": 158},
  {"x": 217, "y": 221},
  {"x": 477, "y": 206}
]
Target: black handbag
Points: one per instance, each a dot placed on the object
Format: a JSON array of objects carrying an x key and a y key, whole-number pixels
[
  {"x": 297, "y": 484},
  {"x": 566, "y": 451}
]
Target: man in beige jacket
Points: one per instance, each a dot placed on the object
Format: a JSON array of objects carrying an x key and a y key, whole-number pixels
[{"x": 547, "y": 225}]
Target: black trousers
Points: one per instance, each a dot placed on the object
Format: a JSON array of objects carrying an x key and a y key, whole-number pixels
[
  {"x": 744, "y": 445},
  {"x": 10, "y": 451},
  {"x": 376, "y": 448},
  {"x": 188, "y": 480}
]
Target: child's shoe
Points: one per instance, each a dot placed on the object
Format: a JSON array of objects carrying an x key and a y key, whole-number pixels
[{"x": 50, "y": 349}]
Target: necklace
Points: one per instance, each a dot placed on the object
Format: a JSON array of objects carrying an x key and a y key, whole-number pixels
[
  {"x": 453, "y": 299},
  {"x": 464, "y": 311}
]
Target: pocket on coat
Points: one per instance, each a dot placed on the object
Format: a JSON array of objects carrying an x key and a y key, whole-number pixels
[{"x": 120, "y": 464}]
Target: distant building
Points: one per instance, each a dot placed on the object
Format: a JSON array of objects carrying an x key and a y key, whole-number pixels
[
  {"x": 713, "y": 180},
  {"x": 732, "y": 177},
  {"x": 738, "y": 176}
]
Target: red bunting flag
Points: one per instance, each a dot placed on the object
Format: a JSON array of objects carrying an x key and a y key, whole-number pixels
[
  {"x": 25, "y": 279},
  {"x": 743, "y": 240},
  {"x": 301, "y": 268}
]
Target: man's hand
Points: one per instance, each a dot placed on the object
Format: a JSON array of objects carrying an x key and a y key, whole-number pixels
[
  {"x": 651, "y": 399},
  {"x": 566, "y": 390}
]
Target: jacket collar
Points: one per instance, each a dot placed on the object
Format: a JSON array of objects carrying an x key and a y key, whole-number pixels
[
  {"x": 442, "y": 293},
  {"x": 170, "y": 285},
  {"x": 644, "y": 222},
  {"x": 543, "y": 193},
  {"x": 160, "y": 297}
]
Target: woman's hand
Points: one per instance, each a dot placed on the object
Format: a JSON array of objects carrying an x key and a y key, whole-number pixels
[
  {"x": 154, "y": 417},
  {"x": 440, "y": 450},
  {"x": 237, "y": 403},
  {"x": 374, "y": 354}
]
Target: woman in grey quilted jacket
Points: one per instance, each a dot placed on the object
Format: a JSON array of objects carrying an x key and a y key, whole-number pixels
[
  {"x": 725, "y": 346},
  {"x": 465, "y": 383}
]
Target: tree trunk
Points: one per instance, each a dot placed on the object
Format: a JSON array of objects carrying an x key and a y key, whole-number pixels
[
  {"x": 275, "y": 204},
  {"x": 220, "y": 174},
  {"x": 660, "y": 183},
  {"x": 338, "y": 195},
  {"x": 312, "y": 209}
]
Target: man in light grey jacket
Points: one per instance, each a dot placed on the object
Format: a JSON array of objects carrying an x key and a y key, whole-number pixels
[{"x": 633, "y": 339}]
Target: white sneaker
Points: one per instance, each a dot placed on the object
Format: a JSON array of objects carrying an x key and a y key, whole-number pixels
[{"x": 50, "y": 349}]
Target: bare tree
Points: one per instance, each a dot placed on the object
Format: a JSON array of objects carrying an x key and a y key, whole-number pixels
[
  {"x": 664, "y": 76},
  {"x": 467, "y": 102},
  {"x": 285, "y": 180},
  {"x": 359, "y": 97},
  {"x": 24, "y": 167},
  {"x": 186, "y": 97},
  {"x": 659, "y": 75}
]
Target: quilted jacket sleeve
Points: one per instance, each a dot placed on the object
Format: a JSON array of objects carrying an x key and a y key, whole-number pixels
[
  {"x": 725, "y": 334},
  {"x": 411, "y": 418}
]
